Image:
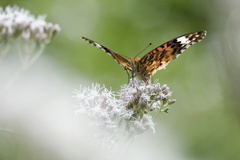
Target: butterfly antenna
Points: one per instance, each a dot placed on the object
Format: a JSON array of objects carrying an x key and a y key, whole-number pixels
[{"x": 144, "y": 49}]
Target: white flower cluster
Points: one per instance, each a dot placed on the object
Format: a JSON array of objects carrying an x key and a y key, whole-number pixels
[
  {"x": 144, "y": 98},
  {"x": 19, "y": 23},
  {"x": 30, "y": 35},
  {"x": 125, "y": 112}
]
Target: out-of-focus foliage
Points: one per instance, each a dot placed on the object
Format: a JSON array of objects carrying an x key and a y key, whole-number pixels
[{"x": 205, "y": 79}]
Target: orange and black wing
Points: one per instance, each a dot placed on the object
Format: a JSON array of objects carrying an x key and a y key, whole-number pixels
[
  {"x": 119, "y": 58},
  {"x": 159, "y": 58}
]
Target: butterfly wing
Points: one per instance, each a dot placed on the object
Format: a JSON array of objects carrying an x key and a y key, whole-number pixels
[
  {"x": 119, "y": 58},
  {"x": 159, "y": 58}
]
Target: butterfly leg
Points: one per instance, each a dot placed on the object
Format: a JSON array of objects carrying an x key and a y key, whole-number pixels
[
  {"x": 150, "y": 81},
  {"x": 132, "y": 78},
  {"x": 127, "y": 74}
]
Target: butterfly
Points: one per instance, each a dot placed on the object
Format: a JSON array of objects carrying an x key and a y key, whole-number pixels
[{"x": 156, "y": 59}]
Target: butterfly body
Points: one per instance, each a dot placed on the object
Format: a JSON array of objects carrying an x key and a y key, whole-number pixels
[{"x": 155, "y": 60}]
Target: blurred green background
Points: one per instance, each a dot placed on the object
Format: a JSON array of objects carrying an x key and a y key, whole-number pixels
[{"x": 204, "y": 80}]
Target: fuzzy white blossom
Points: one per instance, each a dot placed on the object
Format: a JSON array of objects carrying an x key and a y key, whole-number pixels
[
  {"x": 25, "y": 36},
  {"x": 126, "y": 112},
  {"x": 19, "y": 28},
  {"x": 17, "y": 23}
]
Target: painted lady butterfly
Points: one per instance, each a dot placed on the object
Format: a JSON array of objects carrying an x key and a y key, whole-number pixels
[{"x": 155, "y": 60}]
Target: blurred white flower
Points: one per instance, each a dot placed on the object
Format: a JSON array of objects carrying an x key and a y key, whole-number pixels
[
  {"x": 23, "y": 35},
  {"x": 17, "y": 23},
  {"x": 19, "y": 26},
  {"x": 123, "y": 113}
]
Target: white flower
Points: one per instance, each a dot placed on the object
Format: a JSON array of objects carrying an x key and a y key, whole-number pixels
[
  {"x": 19, "y": 23},
  {"x": 19, "y": 26},
  {"x": 126, "y": 111}
]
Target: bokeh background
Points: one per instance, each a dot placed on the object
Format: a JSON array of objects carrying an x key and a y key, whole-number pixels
[{"x": 203, "y": 124}]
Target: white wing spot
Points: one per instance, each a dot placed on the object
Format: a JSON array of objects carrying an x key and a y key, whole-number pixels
[
  {"x": 183, "y": 40},
  {"x": 98, "y": 45}
]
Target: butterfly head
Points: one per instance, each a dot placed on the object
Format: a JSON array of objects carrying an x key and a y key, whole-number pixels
[
  {"x": 134, "y": 62},
  {"x": 134, "y": 65}
]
